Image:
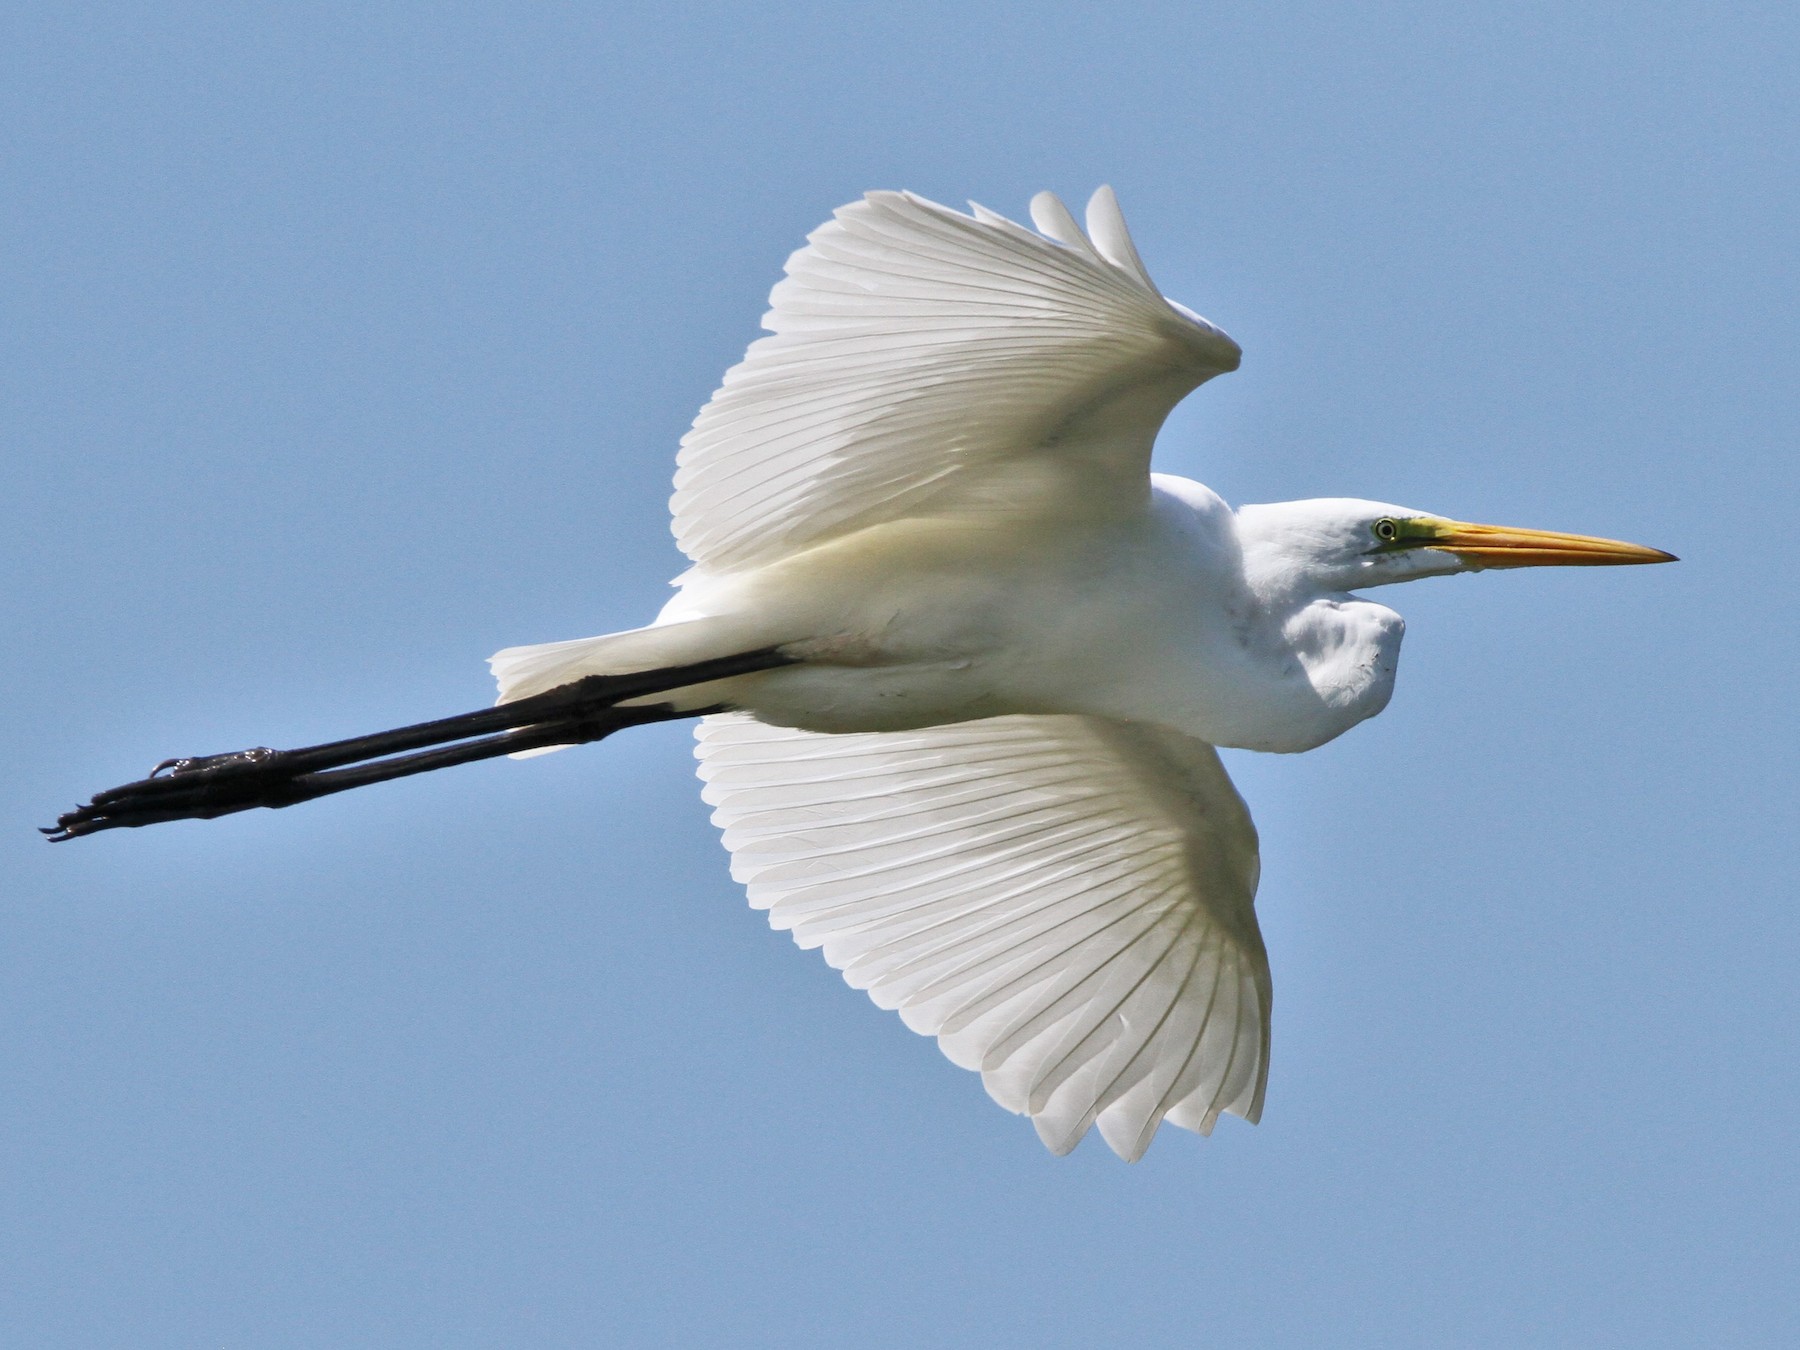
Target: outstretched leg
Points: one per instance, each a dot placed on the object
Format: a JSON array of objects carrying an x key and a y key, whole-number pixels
[{"x": 587, "y": 709}]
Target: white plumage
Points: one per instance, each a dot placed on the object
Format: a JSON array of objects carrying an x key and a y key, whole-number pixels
[{"x": 988, "y": 791}]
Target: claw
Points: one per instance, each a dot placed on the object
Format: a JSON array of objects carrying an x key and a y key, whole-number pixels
[{"x": 174, "y": 768}]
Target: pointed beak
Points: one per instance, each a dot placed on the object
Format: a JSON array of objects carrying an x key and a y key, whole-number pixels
[{"x": 1501, "y": 546}]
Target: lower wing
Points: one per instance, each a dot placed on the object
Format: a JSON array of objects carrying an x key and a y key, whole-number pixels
[{"x": 1064, "y": 902}]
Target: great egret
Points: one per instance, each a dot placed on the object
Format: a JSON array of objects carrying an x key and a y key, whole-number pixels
[{"x": 962, "y": 660}]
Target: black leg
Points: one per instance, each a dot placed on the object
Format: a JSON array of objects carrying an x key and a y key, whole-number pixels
[{"x": 207, "y": 786}]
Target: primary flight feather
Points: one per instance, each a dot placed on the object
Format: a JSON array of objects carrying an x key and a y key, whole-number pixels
[{"x": 962, "y": 660}]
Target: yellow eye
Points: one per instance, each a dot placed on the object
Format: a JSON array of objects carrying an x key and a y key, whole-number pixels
[{"x": 1387, "y": 530}]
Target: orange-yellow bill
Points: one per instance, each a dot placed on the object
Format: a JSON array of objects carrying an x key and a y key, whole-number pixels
[{"x": 1502, "y": 546}]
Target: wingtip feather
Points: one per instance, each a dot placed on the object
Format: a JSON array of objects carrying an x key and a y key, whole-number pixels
[
  {"x": 1106, "y": 227},
  {"x": 1055, "y": 221}
]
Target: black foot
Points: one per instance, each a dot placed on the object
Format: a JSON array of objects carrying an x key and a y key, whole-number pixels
[{"x": 197, "y": 788}]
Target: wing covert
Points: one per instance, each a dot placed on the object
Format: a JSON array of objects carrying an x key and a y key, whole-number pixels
[
  {"x": 922, "y": 360},
  {"x": 1064, "y": 902}
]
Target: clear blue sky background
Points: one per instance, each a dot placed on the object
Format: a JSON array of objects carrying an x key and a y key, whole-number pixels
[{"x": 348, "y": 343}]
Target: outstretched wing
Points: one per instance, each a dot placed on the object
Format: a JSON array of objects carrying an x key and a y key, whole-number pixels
[
  {"x": 922, "y": 360},
  {"x": 1064, "y": 902}
]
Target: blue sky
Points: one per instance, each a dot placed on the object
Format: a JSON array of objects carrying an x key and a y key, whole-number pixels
[{"x": 347, "y": 344}]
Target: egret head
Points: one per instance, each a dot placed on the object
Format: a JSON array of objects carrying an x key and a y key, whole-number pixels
[{"x": 1345, "y": 544}]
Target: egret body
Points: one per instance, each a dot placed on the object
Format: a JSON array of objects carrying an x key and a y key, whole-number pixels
[{"x": 962, "y": 660}]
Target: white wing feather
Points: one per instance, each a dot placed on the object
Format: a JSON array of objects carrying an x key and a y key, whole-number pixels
[
  {"x": 1064, "y": 902},
  {"x": 923, "y": 360}
]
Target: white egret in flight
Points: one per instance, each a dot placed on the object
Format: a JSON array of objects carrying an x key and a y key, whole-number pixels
[{"x": 962, "y": 660}]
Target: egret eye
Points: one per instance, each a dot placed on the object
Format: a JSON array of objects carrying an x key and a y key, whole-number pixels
[{"x": 1387, "y": 530}]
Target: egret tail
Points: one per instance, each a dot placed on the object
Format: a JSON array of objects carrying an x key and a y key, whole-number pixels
[{"x": 582, "y": 709}]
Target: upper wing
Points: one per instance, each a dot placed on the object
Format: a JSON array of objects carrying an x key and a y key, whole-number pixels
[
  {"x": 921, "y": 357},
  {"x": 1064, "y": 902}
]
